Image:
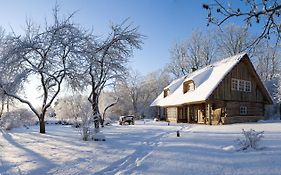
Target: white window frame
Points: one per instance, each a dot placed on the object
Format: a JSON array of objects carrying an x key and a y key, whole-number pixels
[
  {"x": 241, "y": 85},
  {"x": 248, "y": 86},
  {"x": 234, "y": 84},
  {"x": 243, "y": 110}
]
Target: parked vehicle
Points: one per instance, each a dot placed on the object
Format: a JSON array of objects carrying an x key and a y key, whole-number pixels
[{"x": 129, "y": 120}]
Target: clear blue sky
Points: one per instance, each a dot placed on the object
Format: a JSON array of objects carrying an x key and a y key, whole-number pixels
[{"x": 164, "y": 22}]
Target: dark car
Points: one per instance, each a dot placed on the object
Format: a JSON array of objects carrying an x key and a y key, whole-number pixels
[{"x": 129, "y": 120}]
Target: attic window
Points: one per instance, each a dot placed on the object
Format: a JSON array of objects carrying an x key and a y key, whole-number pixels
[
  {"x": 188, "y": 86},
  {"x": 241, "y": 85},
  {"x": 166, "y": 92}
]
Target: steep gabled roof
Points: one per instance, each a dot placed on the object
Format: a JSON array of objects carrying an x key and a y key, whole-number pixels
[{"x": 205, "y": 80}]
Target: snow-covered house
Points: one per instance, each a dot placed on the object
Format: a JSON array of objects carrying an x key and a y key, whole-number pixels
[{"x": 228, "y": 91}]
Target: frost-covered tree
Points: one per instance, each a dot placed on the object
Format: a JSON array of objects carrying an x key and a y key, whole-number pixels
[
  {"x": 192, "y": 54},
  {"x": 178, "y": 65},
  {"x": 4, "y": 99},
  {"x": 105, "y": 60},
  {"x": 268, "y": 61},
  {"x": 77, "y": 110},
  {"x": 264, "y": 14},
  {"x": 67, "y": 107},
  {"x": 137, "y": 92},
  {"x": 201, "y": 49},
  {"x": 233, "y": 40},
  {"x": 47, "y": 53}
]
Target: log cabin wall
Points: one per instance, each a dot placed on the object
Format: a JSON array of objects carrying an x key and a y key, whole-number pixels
[
  {"x": 224, "y": 91},
  {"x": 171, "y": 114},
  {"x": 227, "y": 102},
  {"x": 253, "y": 109}
]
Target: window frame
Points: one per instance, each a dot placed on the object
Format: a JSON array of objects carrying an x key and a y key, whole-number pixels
[
  {"x": 248, "y": 86},
  {"x": 188, "y": 86},
  {"x": 243, "y": 110},
  {"x": 241, "y": 85},
  {"x": 235, "y": 82},
  {"x": 166, "y": 92}
]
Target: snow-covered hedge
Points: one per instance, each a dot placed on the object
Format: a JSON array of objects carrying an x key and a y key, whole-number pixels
[{"x": 17, "y": 118}]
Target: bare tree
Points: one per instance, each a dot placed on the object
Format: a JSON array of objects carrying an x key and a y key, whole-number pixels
[
  {"x": 46, "y": 53},
  {"x": 268, "y": 61},
  {"x": 264, "y": 13},
  {"x": 106, "y": 108},
  {"x": 195, "y": 53},
  {"x": 178, "y": 66},
  {"x": 105, "y": 60},
  {"x": 137, "y": 92},
  {"x": 201, "y": 49},
  {"x": 233, "y": 40}
]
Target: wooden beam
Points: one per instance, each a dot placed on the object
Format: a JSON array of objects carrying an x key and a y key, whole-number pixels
[
  {"x": 208, "y": 112},
  {"x": 188, "y": 115}
]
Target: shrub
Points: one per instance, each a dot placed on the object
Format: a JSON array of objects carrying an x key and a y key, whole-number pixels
[
  {"x": 17, "y": 118},
  {"x": 250, "y": 140}
]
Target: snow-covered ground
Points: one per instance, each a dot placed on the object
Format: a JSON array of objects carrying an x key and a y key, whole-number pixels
[{"x": 150, "y": 148}]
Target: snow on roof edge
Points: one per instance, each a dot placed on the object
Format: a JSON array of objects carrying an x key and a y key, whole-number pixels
[{"x": 219, "y": 66}]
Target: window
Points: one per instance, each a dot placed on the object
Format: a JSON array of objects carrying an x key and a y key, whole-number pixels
[
  {"x": 234, "y": 84},
  {"x": 188, "y": 86},
  {"x": 247, "y": 86},
  {"x": 240, "y": 85},
  {"x": 166, "y": 92},
  {"x": 243, "y": 110}
]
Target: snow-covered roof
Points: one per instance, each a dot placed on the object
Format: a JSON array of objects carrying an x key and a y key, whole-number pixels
[{"x": 205, "y": 80}]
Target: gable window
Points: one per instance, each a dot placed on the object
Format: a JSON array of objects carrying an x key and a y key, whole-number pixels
[
  {"x": 248, "y": 86},
  {"x": 234, "y": 84},
  {"x": 188, "y": 86},
  {"x": 243, "y": 110},
  {"x": 240, "y": 85},
  {"x": 166, "y": 92}
]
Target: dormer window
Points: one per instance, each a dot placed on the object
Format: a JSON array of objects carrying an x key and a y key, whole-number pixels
[
  {"x": 188, "y": 86},
  {"x": 166, "y": 92}
]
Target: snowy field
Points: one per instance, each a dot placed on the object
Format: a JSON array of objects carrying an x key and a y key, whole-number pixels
[{"x": 150, "y": 148}]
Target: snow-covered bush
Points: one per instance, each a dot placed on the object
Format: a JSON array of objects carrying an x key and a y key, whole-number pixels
[
  {"x": 77, "y": 110},
  {"x": 17, "y": 118},
  {"x": 70, "y": 108},
  {"x": 250, "y": 140}
]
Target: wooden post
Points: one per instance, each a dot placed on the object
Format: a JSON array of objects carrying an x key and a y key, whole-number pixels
[
  {"x": 208, "y": 112},
  {"x": 188, "y": 115},
  {"x": 205, "y": 115},
  {"x": 158, "y": 113}
]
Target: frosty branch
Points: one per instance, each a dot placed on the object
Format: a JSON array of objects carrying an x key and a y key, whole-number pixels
[{"x": 264, "y": 13}]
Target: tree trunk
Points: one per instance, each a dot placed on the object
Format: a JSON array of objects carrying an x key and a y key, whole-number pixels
[
  {"x": 280, "y": 110},
  {"x": 42, "y": 124},
  {"x": 2, "y": 107},
  {"x": 95, "y": 110},
  {"x": 8, "y": 105},
  {"x": 102, "y": 122}
]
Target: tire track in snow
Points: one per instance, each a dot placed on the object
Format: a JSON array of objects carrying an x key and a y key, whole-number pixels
[{"x": 127, "y": 164}]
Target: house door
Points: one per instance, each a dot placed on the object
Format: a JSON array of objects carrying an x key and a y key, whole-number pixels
[
  {"x": 197, "y": 114},
  {"x": 200, "y": 114}
]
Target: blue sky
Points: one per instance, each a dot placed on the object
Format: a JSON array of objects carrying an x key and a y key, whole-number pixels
[{"x": 164, "y": 22}]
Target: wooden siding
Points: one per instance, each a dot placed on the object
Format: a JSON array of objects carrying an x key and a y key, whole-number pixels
[
  {"x": 253, "y": 109},
  {"x": 240, "y": 71},
  {"x": 172, "y": 114},
  {"x": 241, "y": 119}
]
